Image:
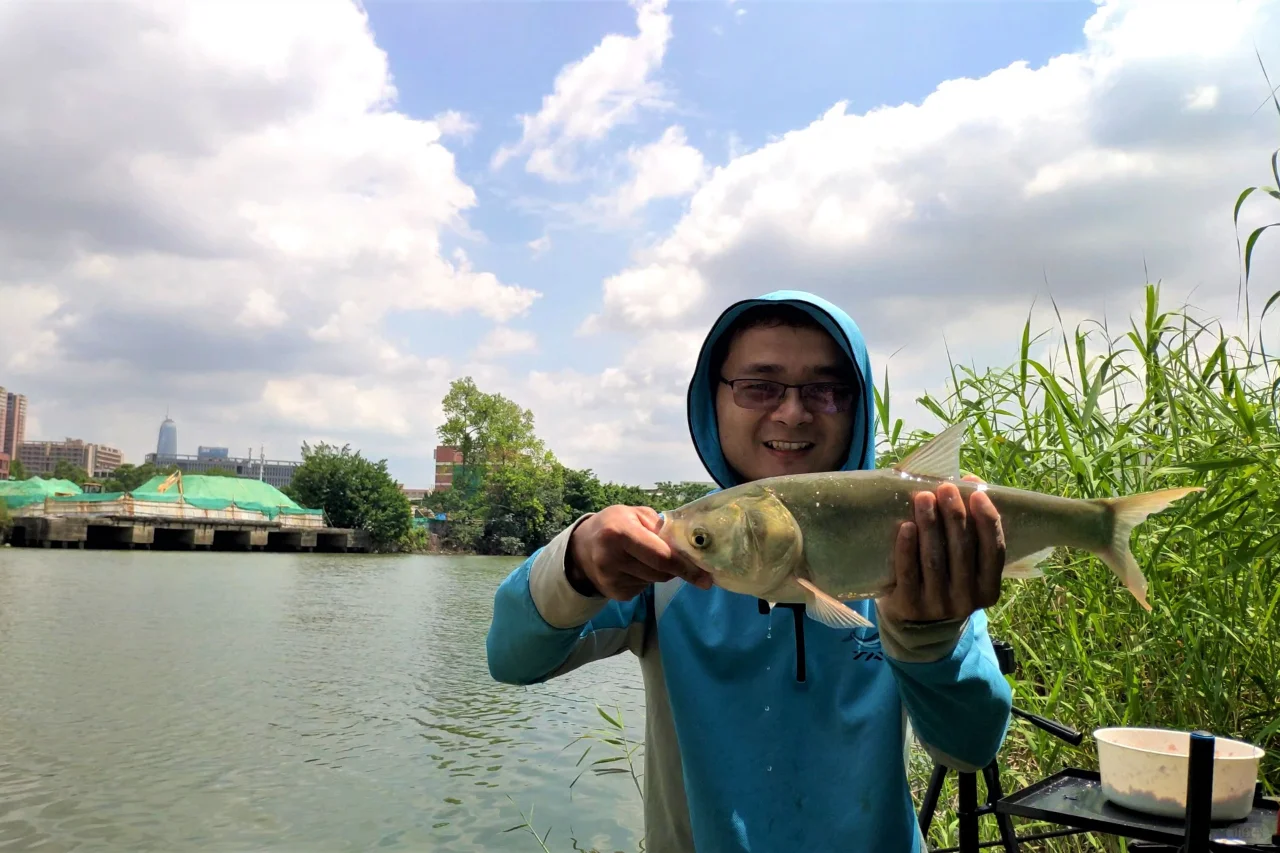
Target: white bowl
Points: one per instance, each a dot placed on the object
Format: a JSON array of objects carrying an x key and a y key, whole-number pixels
[{"x": 1146, "y": 770}]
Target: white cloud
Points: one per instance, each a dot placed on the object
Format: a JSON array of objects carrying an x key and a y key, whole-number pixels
[
  {"x": 454, "y": 123},
  {"x": 540, "y": 246},
  {"x": 503, "y": 341},
  {"x": 218, "y": 206},
  {"x": 667, "y": 168},
  {"x": 1078, "y": 167},
  {"x": 261, "y": 309},
  {"x": 593, "y": 95}
]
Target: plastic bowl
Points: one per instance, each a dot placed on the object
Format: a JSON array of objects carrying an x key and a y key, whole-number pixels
[{"x": 1146, "y": 770}]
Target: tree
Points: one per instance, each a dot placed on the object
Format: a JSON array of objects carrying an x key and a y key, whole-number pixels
[
  {"x": 64, "y": 470},
  {"x": 128, "y": 476},
  {"x": 18, "y": 471},
  {"x": 488, "y": 429},
  {"x": 353, "y": 491}
]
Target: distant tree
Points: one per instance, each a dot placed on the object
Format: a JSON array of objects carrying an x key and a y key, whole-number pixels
[
  {"x": 671, "y": 495},
  {"x": 18, "y": 471},
  {"x": 128, "y": 476},
  {"x": 64, "y": 470},
  {"x": 353, "y": 491},
  {"x": 488, "y": 429}
]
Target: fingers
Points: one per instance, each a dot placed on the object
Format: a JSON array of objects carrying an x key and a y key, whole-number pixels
[
  {"x": 961, "y": 549},
  {"x": 625, "y": 553},
  {"x": 990, "y": 549},
  {"x": 934, "y": 573},
  {"x": 906, "y": 560}
]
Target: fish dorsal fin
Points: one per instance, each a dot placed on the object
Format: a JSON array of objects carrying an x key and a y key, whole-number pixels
[{"x": 939, "y": 457}]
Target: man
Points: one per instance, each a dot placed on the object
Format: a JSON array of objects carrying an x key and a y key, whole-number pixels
[{"x": 742, "y": 753}]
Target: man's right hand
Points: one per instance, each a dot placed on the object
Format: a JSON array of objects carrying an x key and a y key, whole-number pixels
[{"x": 617, "y": 553}]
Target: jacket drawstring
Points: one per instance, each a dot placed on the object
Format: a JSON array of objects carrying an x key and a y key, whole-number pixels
[{"x": 797, "y": 611}]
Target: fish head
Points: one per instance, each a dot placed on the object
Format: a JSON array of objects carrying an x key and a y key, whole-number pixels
[{"x": 745, "y": 538}]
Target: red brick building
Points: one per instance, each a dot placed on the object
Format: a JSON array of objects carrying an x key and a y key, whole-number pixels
[{"x": 446, "y": 458}]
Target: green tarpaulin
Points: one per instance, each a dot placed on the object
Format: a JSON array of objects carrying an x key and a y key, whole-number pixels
[
  {"x": 198, "y": 491},
  {"x": 19, "y": 493},
  {"x": 221, "y": 492}
]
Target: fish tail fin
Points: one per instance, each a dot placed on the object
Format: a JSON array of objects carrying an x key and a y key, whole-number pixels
[{"x": 1126, "y": 514}]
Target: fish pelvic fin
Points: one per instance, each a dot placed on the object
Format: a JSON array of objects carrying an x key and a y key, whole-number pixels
[
  {"x": 829, "y": 611},
  {"x": 938, "y": 457},
  {"x": 1029, "y": 566},
  {"x": 1127, "y": 513}
]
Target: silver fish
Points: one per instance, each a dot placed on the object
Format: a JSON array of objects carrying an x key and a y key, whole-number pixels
[{"x": 825, "y": 538}]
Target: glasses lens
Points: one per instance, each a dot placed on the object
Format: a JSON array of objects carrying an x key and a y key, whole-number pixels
[
  {"x": 829, "y": 397},
  {"x": 757, "y": 394}
]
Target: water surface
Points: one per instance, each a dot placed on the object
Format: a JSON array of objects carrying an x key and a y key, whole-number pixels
[{"x": 227, "y": 701}]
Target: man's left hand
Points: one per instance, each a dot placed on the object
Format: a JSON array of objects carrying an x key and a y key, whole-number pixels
[{"x": 948, "y": 562}]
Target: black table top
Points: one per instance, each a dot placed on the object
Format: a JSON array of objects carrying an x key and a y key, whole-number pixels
[{"x": 1074, "y": 798}]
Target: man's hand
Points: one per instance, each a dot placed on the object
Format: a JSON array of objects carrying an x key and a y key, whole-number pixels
[
  {"x": 617, "y": 553},
  {"x": 948, "y": 562}
]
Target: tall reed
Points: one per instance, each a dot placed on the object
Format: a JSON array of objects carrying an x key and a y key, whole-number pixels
[{"x": 1169, "y": 402}]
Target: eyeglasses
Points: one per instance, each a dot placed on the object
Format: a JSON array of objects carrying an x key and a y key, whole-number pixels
[{"x": 827, "y": 398}]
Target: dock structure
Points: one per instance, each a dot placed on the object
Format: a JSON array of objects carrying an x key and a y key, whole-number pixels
[
  {"x": 173, "y": 513},
  {"x": 132, "y": 532}
]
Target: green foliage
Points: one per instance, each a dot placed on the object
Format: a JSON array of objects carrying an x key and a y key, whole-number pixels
[
  {"x": 488, "y": 429},
  {"x": 517, "y": 495},
  {"x": 5, "y": 520},
  {"x": 18, "y": 471},
  {"x": 128, "y": 476},
  {"x": 353, "y": 491},
  {"x": 1169, "y": 402},
  {"x": 64, "y": 470}
]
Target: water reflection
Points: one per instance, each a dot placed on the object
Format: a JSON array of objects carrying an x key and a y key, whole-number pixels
[{"x": 169, "y": 701}]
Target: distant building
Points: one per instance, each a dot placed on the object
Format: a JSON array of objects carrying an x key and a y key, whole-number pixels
[
  {"x": 4, "y": 466},
  {"x": 13, "y": 422},
  {"x": 41, "y": 458},
  {"x": 278, "y": 473},
  {"x": 414, "y": 495},
  {"x": 447, "y": 459},
  {"x": 167, "y": 443},
  {"x": 203, "y": 452}
]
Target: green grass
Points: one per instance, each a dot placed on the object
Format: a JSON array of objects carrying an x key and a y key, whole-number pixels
[{"x": 1168, "y": 402}]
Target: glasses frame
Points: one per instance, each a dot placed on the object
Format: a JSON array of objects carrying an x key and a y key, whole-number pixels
[{"x": 808, "y": 404}]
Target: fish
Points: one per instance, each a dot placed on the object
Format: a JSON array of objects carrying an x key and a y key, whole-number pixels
[{"x": 825, "y": 538}]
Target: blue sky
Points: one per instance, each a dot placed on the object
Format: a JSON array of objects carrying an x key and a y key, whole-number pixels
[
  {"x": 738, "y": 80},
  {"x": 247, "y": 232}
]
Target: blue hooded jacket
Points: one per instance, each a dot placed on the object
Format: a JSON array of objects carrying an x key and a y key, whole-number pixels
[{"x": 743, "y": 752}]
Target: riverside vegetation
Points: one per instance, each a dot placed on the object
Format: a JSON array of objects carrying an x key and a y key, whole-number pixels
[{"x": 1172, "y": 400}]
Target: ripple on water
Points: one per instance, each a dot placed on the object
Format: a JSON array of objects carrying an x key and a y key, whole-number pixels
[{"x": 162, "y": 701}]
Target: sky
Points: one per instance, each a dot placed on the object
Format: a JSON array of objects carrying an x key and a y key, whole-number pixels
[{"x": 286, "y": 222}]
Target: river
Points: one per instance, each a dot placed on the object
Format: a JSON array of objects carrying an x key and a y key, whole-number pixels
[{"x": 231, "y": 702}]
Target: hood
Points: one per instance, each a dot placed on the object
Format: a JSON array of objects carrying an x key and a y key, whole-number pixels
[{"x": 701, "y": 406}]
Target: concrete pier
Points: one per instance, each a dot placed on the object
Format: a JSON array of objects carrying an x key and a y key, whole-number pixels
[{"x": 180, "y": 535}]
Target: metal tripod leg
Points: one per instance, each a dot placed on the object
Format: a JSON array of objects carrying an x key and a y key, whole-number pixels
[{"x": 991, "y": 774}]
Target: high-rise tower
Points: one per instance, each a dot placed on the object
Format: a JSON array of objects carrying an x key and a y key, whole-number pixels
[{"x": 167, "y": 445}]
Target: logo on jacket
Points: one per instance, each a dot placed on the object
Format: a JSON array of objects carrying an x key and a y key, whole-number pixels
[{"x": 866, "y": 643}]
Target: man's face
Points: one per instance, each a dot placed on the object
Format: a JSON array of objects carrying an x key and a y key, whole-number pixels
[{"x": 788, "y": 438}]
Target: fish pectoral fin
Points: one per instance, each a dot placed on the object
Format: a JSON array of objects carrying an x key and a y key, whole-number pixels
[
  {"x": 938, "y": 457},
  {"x": 1029, "y": 566},
  {"x": 825, "y": 609}
]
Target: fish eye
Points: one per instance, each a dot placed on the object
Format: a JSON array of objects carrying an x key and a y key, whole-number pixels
[{"x": 700, "y": 538}]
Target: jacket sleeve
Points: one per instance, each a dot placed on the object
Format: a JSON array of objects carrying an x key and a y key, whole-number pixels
[
  {"x": 958, "y": 701},
  {"x": 542, "y": 627}
]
